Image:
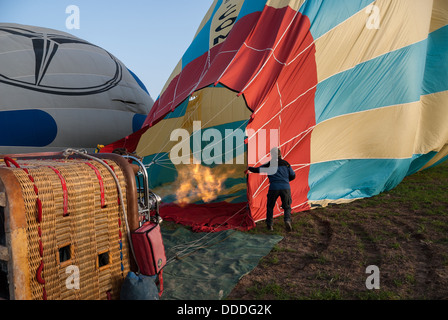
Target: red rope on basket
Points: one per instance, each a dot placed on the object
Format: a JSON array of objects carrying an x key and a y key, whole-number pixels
[
  {"x": 64, "y": 190},
  {"x": 8, "y": 162},
  {"x": 100, "y": 180}
]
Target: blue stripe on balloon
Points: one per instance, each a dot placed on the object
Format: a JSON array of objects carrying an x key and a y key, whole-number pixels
[
  {"x": 27, "y": 128},
  {"x": 251, "y": 6},
  {"x": 201, "y": 42},
  {"x": 391, "y": 79},
  {"x": 137, "y": 121},
  {"x": 325, "y": 15},
  {"x": 357, "y": 178},
  {"x": 139, "y": 82},
  {"x": 436, "y": 73},
  {"x": 419, "y": 161},
  {"x": 180, "y": 110}
]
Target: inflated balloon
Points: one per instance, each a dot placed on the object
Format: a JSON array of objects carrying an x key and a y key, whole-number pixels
[
  {"x": 354, "y": 92},
  {"x": 59, "y": 91}
]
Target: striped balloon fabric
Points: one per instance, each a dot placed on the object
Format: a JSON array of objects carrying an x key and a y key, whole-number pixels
[{"x": 353, "y": 92}]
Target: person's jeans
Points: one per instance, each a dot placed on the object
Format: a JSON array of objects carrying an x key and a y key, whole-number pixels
[{"x": 285, "y": 196}]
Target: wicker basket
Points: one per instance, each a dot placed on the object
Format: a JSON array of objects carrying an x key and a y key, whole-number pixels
[{"x": 64, "y": 228}]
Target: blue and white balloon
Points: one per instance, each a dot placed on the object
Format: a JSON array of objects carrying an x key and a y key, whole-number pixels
[{"x": 59, "y": 91}]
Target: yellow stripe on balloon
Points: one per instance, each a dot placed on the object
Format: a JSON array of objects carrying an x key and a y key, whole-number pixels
[
  {"x": 401, "y": 23},
  {"x": 383, "y": 133}
]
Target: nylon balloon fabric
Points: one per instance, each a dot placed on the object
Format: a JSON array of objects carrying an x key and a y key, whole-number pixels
[
  {"x": 59, "y": 91},
  {"x": 354, "y": 93}
]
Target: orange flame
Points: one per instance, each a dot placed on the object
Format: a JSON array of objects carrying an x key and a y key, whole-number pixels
[{"x": 196, "y": 182}]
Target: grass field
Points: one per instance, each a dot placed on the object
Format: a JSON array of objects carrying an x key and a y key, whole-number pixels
[{"x": 403, "y": 232}]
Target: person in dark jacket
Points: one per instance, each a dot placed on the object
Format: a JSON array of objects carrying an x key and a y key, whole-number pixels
[{"x": 280, "y": 173}]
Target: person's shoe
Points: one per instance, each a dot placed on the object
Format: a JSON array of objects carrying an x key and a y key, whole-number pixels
[
  {"x": 288, "y": 226},
  {"x": 270, "y": 228}
]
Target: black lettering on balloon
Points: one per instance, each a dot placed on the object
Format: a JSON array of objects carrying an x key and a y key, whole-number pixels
[{"x": 227, "y": 22}]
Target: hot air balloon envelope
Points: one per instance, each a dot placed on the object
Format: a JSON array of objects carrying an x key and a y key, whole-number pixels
[
  {"x": 354, "y": 93},
  {"x": 59, "y": 91}
]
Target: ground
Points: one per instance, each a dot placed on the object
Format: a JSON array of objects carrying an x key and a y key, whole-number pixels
[{"x": 404, "y": 232}]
